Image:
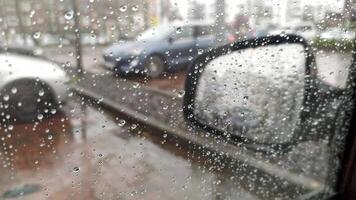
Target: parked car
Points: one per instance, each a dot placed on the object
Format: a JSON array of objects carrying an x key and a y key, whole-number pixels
[
  {"x": 166, "y": 48},
  {"x": 282, "y": 30},
  {"x": 306, "y": 30},
  {"x": 53, "y": 39},
  {"x": 337, "y": 34},
  {"x": 30, "y": 87}
]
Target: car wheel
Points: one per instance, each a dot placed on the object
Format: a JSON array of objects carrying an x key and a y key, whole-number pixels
[
  {"x": 154, "y": 67},
  {"x": 27, "y": 100}
]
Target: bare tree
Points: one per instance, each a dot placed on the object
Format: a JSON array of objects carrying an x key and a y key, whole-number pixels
[
  {"x": 220, "y": 20},
  {"x": 78, "y": 45},
  {"x": 20, "y": 22}
]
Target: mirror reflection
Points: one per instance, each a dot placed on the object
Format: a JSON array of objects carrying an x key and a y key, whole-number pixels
[{"x": 256, "y": 93}]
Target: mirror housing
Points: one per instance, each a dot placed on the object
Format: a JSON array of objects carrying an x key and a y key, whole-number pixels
[{"x": 238, "y": 124}]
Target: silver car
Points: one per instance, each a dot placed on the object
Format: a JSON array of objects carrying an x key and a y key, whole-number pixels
[{"x": 30, "y": 87}]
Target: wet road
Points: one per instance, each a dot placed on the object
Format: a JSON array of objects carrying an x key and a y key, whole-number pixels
[{"x": 94, "y": 155}]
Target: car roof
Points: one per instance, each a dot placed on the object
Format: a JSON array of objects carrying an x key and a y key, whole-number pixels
[{"x": 192, "y": 23}]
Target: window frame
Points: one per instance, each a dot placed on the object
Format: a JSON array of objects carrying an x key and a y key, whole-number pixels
[{"x": 346, "y": 186}]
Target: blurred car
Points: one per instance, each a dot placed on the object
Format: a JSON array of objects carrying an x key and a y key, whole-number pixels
[
  {"x": 30, "y": 87},
  {"x": 282, "y": 30},
  {"x": 53, "y": 39},
  {"x": 337, "y": 34},
  {"x": 166, "y": 48},
  {"x": 20, "y": 40}
]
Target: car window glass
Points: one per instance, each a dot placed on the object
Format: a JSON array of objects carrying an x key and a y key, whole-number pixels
[{"x": 92, "y": 99}]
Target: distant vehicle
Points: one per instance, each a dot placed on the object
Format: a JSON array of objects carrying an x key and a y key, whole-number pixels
[
  {"x": 337, "y": 34},
  {"x": 53, "y": 39},
  {"x": 166, "y": 48},
  {"x": 282, "y": 30},
  {"x": 26, "y": 51},
  {"x": 30, "y": 87}
]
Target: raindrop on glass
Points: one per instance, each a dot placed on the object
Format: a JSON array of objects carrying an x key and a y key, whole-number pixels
[
  {"x": 41, "y": 93},
  {"x": 10, "y": 127},
  {"x": 122, "y": 122},
  {"x": 37, "y": 35},
  {"x": 6, "y": 97},
  {"x": 40, "y": 116},
  {"x": 13, "y": 90},
  {"x": 179, "y": 30},
  {"x": 134, "y": 8},
  {"x": 69, "y": 15},
  {"x": 76, "y": 169},
  {"x": 53, "y": 111},
  {"x": 50, "y": 137},
  {"x": 123, "y": 8},
  {"x": 181, "y": 93}
]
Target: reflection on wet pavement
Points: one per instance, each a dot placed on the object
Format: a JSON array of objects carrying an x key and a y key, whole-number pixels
[{"x": 115, "y": 160}]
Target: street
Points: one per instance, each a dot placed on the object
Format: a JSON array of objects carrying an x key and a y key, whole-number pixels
[{"x": 92, "y": 154}]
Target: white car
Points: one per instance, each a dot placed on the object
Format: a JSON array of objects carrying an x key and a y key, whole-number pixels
[
  {"x": 338, "y": 34},
  {"x": 30, "y": 87}
]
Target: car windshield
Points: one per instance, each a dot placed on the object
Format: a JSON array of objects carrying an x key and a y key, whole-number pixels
[
  {"x": 175, "y": 99},
  {"x": 156, "y": 33}
]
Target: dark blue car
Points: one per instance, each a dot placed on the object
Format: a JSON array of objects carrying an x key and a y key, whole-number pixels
[{"x": 166, "y": 48}]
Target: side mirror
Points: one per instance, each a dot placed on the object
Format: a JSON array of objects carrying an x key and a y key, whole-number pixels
[{"x": 251, "y": 92}]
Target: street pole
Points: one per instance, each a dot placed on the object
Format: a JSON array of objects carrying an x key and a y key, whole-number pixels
[
  {"x": 77, "y": 42},
  {"x": 219, "y": 20},
  {"x": 19, "y": 18}
]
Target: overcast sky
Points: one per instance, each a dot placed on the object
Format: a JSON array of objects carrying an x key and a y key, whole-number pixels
[{"x": 335, "y": 5}]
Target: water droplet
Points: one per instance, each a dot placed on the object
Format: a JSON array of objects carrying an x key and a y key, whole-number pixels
[
  {"x": 123, "y": 8},
  {"x": 50, "y": 137},
  {"x": 133, "y": 126},
  {"x": 53, "y": 111},
  {"x": 41, "y": 92},
  {"x": 10, "y": 127},
  {"x": 179, "y": 30},
  {"x": 37, "y": 35},
  {"x": 181, "y": 93},
  {"x": 76, "y": 169},
  {"x": 13, "y": 90},
  {"x": 134, "y": 8},
  {"x": 122, "y": 122},
  {"x": 40, "y": 116},
  {"x": 6, "y": 97},
  {"x": 135, "y": 85},
  {"x": 69, "y": 15}
]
